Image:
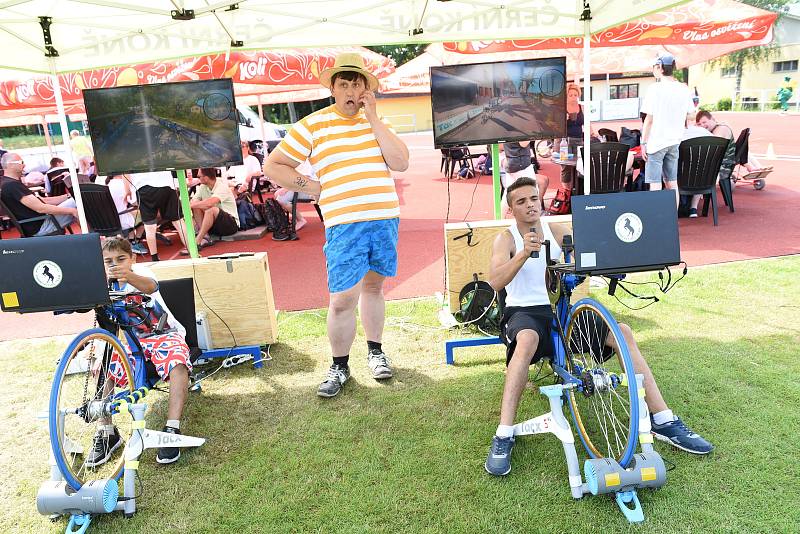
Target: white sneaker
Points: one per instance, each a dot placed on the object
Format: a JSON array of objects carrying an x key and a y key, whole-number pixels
[{"x": 379, "y": 364}]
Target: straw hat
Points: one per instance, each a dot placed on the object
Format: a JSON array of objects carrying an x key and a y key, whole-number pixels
[{"x": 350, "y": 62}]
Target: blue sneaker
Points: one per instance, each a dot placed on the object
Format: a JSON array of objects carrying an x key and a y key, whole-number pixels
[
  {"x": 677, "y": 434},
  {"x": 498, "y": 463},
  {"x": 139, "y": 248}
]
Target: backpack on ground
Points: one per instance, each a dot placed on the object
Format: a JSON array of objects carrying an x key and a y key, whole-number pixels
[
  {"x": 249, "y": 217},
  {"x": 560, "y": 205},
  {"x": 276, "y": 219}
]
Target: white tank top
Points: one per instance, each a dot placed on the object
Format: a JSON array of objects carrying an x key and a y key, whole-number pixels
[{"x": 527, "y": 288}]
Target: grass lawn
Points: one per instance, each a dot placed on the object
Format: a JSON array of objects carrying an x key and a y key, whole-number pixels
[
  {"x": 408, "y": 456},
  {"x": 30, "y": 141}
]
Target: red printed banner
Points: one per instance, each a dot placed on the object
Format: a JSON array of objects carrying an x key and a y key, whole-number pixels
[
  {"x": 698, "y": 22},
  {"x": 272, "y": 71}
]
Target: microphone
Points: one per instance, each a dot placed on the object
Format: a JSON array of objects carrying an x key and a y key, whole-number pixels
[{"x": 535, "y": 253}]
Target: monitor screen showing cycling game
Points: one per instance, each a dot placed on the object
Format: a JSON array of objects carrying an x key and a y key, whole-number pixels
[
  {"x": 495, "y": 102},
  {"x": 166, "y": 126}
]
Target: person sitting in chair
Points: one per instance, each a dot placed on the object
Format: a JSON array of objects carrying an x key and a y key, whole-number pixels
[
  {"x": 214, "y": 207},
  {"x": 706, "y": 120},
  {"x": 249, "y": 170},
  {"x": 284, "y": 196},
  {"x": 526, "y": 327},
  {"x": 164, "y": 346},
  {"x": 25, "y": 205}
]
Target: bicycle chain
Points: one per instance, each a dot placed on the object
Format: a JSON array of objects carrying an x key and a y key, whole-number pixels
[{"x": 91, "y": 357}]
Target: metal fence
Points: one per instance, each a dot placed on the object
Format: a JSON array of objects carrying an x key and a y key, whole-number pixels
[{"x": 761, "y": 100}]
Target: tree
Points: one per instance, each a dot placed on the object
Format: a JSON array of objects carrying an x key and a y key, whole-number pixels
[
  {"x": 756, "y": 54},
  {"x": 400, "y": 53}
]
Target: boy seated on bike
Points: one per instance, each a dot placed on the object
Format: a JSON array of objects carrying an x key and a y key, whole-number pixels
[
  {"x": 163, "y": 344},
  {"x": 526, "y": 325}
]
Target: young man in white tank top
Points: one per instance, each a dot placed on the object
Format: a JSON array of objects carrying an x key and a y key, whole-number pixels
[{"x": 527, "y": 319}]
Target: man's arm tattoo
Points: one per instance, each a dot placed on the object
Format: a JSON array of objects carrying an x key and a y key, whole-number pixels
[{"x": 301, "y": 181}]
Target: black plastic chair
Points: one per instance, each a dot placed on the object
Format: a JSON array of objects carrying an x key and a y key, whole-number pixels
[
  {"x": 295, "y": 200},
  {"x": 610, "y": 135},
  {"x": 725, "y": 179},
  {"x": 743, "y": 147},
  {"x": 699, "y": 161},
  {"x": 18, "y": 223},
  {"x": 608, "y": 165},
  {"x": 101, "y": 212},
  {"x": 458, "y": 156}
]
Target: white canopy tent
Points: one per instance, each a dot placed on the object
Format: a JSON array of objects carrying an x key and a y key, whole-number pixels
[{"x": 71, "y": 35}]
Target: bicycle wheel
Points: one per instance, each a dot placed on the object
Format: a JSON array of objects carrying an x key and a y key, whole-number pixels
[
  {"x": 606, "y": 410},
  {"x": 82, "y": 384},
  {"x": 544, "y": 148}
]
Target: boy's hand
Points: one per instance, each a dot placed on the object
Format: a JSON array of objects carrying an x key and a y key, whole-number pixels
[
  {"x": 119, "y": 273},
  {"x": 531, "y": 242}
]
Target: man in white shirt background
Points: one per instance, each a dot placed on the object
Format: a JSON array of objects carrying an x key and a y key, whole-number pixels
[
  {"x": 668, "y": 106},
  {"x": 243, "y": 174}
]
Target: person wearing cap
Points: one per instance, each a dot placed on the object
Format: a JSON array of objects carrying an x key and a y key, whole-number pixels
[
  {"x": 668, "y": 106},
  {"x": 352, "y": 152},
  {"x": 785, "y": 93}
]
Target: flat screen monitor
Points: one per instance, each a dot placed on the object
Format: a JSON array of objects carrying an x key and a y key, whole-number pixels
[
  {"x": 496, "y": 102},
  {"x": 165, "y": 126}
]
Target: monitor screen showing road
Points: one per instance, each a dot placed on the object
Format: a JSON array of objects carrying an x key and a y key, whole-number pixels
[
  {"x": 164, "y": 126},
  {"x": 495, "y": 102}
]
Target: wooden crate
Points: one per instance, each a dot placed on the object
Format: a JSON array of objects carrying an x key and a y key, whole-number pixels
[
  {"x": 235, "y": 290},
  {"x": 468, "y": 251}
]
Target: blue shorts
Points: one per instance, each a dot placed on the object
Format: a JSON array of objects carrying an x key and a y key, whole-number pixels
[
  {"x": 353, "y": 249},
  {"x": 662, "y": 163}
]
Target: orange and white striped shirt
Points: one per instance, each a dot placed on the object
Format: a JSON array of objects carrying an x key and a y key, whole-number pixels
[{"x": 355, "y": 180}]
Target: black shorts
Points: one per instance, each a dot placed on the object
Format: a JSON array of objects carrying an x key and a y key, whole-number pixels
[
  {"x": 224, "y": 224},
  {"x": 155, "y": 200},
  {"x": 536, "y": 318},
  {"x": 540, "y": 319}
]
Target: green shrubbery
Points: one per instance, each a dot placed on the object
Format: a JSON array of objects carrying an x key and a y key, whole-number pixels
[{"x": 724, "y": 104}]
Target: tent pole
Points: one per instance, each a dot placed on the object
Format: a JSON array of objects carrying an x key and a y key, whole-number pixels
[
  {"x": 47, "y": 136},
  {"x": 495, "y": 181},
  {"x": 191, "y": 240},
  {"x": 261, "y": 123},
  {"x": 587, "y": 99},
  {"x": 62, "y": 119}
]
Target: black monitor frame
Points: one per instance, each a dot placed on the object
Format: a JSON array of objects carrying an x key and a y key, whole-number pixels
[
  {"x": 237, "y": 155},
  {"x": 489, "y": 141}
]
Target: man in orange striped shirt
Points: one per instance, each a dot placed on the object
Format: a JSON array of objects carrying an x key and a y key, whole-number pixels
[{"x": 352, "y": 152}]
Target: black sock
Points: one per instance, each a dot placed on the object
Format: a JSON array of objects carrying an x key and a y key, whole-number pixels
[
  {"x": 373, "y": 346},
  {"x": 341, "y": 361},
  {"x": 154, "y": 257}
]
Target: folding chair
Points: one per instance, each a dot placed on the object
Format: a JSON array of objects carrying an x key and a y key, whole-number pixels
[
  {"x": 101, "y": 212},
  {"x": 18, "y": 223}
]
